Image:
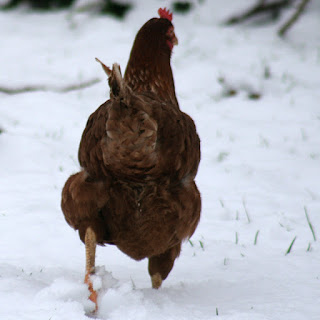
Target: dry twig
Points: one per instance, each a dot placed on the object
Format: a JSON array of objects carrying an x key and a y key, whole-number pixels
[
  {"x": 282, "y": 31},
  {"x": 34, "y": 88},
  {"x": 274, "y": 8}
]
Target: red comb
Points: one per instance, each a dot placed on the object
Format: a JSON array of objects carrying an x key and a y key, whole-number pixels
[{"x": 164, "y": 13}]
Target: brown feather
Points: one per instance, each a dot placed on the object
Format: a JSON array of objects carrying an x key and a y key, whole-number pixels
[
  {"x": 149, "y": 69},
  {"x": 139, "y": 156}
]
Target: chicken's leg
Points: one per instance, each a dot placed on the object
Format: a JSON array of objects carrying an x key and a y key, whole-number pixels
[{"x": 90, "y": 243}]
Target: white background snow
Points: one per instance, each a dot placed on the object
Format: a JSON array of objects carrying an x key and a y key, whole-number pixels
[{"x": 260, "y": 167}]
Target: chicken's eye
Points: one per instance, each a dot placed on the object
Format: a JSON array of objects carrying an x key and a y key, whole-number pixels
[
  {"x": 170, "y": 33},
  {"x": 171, "y": 38}
]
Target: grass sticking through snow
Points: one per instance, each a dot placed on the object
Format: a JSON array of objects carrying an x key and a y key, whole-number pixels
[
  {"x": 256, "y": 237},
  {"x": 310, "y": 224},
  {"x": 291, "y": 244},
  {"x": 246, "y": 210},
  {"x": 309, "y": 247}
]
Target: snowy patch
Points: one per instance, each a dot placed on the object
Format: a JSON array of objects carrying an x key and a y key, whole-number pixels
[{"x": 258, "y": 177}]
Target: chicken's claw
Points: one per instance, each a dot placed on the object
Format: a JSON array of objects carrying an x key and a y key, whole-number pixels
[
  {"x": 93, "y": 294},
  {"x": 156, "y": 281}
]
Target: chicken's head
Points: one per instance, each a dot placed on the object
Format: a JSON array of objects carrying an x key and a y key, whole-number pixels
[
  {"x": 156, "y": 35},
  {"x": 170, "y": 35},
  {"x": 149, "y": 67}
]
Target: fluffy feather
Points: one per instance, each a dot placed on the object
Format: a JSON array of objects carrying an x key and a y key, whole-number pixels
[{"x": 139, "y": 155}]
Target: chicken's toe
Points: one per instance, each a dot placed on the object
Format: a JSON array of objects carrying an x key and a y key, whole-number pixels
[
  {"x": 156, "y": 280},
  {"x": 93, "y": 294}
]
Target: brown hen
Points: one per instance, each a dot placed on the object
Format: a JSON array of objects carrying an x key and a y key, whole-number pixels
[{"x": 139, "y": 155}]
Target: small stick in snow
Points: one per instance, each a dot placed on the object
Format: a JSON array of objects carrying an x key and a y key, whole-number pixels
[
  {"x": 273, "y": 8},
  {"x": 282, "y": 31},
  {"x": 35, "y": 88}
]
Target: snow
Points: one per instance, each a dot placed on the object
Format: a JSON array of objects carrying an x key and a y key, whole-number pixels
[{"x": 260, "y": 168}]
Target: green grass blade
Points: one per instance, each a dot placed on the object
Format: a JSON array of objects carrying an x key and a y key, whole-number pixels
[
  {"x": 310, "y": 224},
  {"x": 246, "y": 210},
  {"x": 290, "y": 247},
  {"x": 256, "y": 237},
  {"x": 309, "y": 247}
]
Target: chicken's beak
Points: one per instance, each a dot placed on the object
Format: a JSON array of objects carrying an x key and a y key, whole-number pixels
[{"x": 174, "y": 40}]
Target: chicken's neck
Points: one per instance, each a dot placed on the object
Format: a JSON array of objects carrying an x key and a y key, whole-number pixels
[{"x": 152, "y": 76}]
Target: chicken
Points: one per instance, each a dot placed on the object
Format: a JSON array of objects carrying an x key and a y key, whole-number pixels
[{"x": 139, "y": 155}]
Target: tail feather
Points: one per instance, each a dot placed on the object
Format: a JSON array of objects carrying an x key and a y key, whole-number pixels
[
  {"x": 129, "y": 147},
  {"x": 115, "y": 79}
]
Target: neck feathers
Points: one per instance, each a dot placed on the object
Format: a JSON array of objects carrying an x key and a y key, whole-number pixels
[{"x": 150, "y": 71}]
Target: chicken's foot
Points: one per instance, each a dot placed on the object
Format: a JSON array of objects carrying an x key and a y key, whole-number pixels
[
  {"x": 156, "y": 281},
  {"x": 90, "y": 243},
  {"x": 160, "y": 265}
]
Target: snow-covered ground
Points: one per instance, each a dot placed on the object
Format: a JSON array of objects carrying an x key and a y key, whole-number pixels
[{"x": 260, "y": 168}]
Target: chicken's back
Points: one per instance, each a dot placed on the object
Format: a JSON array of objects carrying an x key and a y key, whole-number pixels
[{"x": 140, "y": 139}]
